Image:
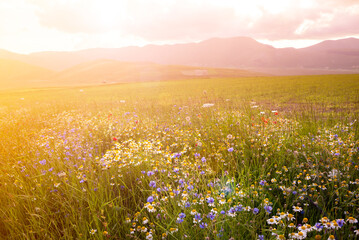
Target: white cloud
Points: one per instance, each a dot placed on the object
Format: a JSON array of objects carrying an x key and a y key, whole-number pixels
[{"x": 73, "y": 24}]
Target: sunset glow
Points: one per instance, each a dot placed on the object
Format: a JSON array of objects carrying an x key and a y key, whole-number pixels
[
  {"x": 39, "y": 25},
  {"x": 179, "y": 119}
]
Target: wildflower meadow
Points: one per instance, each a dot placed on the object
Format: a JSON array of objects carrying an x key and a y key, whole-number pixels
[{"x": 245, "y": 158}]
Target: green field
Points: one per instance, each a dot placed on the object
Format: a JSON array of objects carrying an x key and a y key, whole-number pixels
[{"x": 240, "y": 158}]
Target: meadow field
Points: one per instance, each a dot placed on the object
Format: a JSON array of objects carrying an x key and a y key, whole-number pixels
[{"x": 229, "y": 158}]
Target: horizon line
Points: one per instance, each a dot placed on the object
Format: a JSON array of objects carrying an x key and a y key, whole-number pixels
[{"x": 261, "y": 41}]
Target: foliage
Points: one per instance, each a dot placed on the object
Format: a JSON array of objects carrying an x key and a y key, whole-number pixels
[{"x": 247, "y": 158}]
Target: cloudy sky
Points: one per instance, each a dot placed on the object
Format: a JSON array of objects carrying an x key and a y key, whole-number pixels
[{"x": 39, "y": 25}]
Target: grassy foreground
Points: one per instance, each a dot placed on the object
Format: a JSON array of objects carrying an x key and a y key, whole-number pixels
[{"x": 248, "y": 158}]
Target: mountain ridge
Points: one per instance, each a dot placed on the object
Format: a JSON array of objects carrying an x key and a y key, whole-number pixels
[{"x": 236, "y": 52}]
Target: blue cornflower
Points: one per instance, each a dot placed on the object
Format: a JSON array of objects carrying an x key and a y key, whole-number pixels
[
  {"x": 268, "y": 208},
  {"x": 230, "y": 149},
  {"x": 152, "y": 184},
  {"x": 210, "y": 200},
  {"x": 231, "y": 210},
  {"x": 255, "y": 210},
  {"x": 150, "y": 199},
  {"x": 203, "y": 225},
  {"x": 319, "y": 226},
  {"x": 42, "y": 162},
  {"x": 179, "y": 220},
  {"x": 262, "y": 182},
  {"x": 223, "y": 212},
  {"x": 150, "y": 173},
  {"x": 239, "y": 208},
  {"x": 211, "y": 216},
  {"x": 181, "y": 217},
  {"x": 198, "y": 217},
  {"x": 260, "y": 237},
  {"x": 340, "y": 222},
  {"x": 203, "y": 160}
]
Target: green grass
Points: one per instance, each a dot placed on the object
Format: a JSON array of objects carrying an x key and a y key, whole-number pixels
[{"x": 73, "y": 158}]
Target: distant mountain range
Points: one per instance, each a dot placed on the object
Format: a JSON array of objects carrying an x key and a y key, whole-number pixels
[
  {"x": 142, "y": 63},
  {"x": 239, "y": 52}
]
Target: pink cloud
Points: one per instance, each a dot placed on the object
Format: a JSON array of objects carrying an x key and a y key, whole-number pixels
[
  {"x": 74, "y": 18},
  {"x": 187, "y": 20},
  {"x": 340, "y": 22},
  {"x": 181, "y": 21}
]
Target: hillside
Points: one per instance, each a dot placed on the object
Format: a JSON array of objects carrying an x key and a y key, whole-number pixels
[
  {"x": 16, "y": 74},
  {"x": 111, "y": 71}
]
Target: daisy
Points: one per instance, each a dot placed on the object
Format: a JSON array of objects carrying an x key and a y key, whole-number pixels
[
  {"x": 301, "y": 235},
  {"x": 297, "y": 209},
  {"x": 352, "y": 220},
  {"x": 149, "y": 236},
  {"x": 150, "y": 208},
  {"x": 280, "y": 237},
  {"x": 272, "y": 221},
  {"x": 282, "y": 215},
  {"x": 290, "y": 217},
  {"x": 173, "y": 230},
  {"x": 193, "y": 212},
  {"x": 335, "y": 225},
  {"x": 291, "y": 225}
]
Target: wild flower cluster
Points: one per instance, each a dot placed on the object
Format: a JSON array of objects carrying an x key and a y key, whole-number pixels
[
  {"x": 189, "y": 191},
  {"x": 187, "y": 172}
]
